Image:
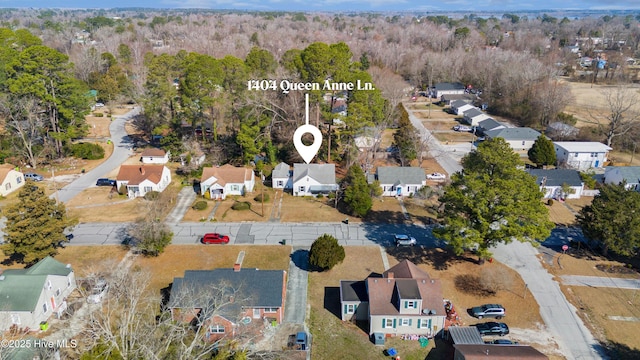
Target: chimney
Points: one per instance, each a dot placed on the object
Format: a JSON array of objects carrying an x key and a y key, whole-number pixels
[
  {"x": 238, "y": 263},
  {"x": 236, "y": 267},
  {"x": 142, "y": 170},
  {"x": 390, "y": 274}
]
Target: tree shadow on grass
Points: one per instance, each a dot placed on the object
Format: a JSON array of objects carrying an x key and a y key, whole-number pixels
[
  {"x": 621, "y": 351},
  {"x": 385, "y": 217},
  {"x": 439, "y": 258}
]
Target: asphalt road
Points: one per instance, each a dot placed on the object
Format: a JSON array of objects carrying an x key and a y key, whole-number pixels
[{"x": 121, "y": 152}]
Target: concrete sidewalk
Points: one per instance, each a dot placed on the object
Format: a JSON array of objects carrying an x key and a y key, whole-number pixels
[{"x": 599, "y": 281}]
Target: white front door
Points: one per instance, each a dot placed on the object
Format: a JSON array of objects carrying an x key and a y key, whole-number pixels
[{"x": 256, "y": 313}]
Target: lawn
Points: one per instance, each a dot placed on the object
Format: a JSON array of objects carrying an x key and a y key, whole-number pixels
[
  {"x": 453, "y": 136},
  {"x": 559, "y": 214},
  {"x": 178, "y": 258},
  {"x": 311, "y": 209},
  {"x": 86, "y": 259}
]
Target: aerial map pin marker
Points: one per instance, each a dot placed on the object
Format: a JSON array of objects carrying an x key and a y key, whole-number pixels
[{"x": 307, "y": 152}]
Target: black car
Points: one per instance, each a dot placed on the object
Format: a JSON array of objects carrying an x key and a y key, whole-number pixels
[
  {"x": 105, "y": 182},
  {"x": 492, "y": 328}
]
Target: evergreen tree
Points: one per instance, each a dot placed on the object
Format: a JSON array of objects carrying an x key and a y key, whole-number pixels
[
  {"x": 357, "y": 193},
  {"x": 326, "y": 253},
  {"x": 35, "y": 225},
  {"x": 611, "y": 219},
  {"x": 405, "y": 138},
  {"x": 492, "y": 201},
  {"x": 542, "y": 152}
]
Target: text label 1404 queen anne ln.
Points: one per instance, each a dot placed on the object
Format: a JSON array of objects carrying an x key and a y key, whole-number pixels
[{"x": 286, "y": 86}]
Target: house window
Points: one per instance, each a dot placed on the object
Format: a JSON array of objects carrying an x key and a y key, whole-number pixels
[
  {"x": 410, "y": 304},
  {"x": 44, "y": 308},
  {"x": 68, "y": 281},
  {"x": 424, "y": 323},
  {"x": 301, "y": 189},
  {"x": 387, "y": 323},
  {"x": 575, "y": 155},
  {"x": 147, "y": 189},
  {"x": 8, "y": 186},
  {"x": 19, "y": 179},
  {"x": 405, "y": 322},
  {"x": 235, "y": 188},
  {"x": 280, "y": 183},
  {"x": 58, "y": 292},
  {"x": 15, "y": 319},
  {"x": 271, "y": 310},
  {"x": 216, "y": 329},
  {"x": 49, "y": 284},
  {"x": 349, "y": 308},
  {"x": 522, "y": 142}
]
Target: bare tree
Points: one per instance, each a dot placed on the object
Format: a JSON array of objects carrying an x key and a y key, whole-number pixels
[
  {"x": 24, "y": 120},
  {"x": 621, "y": 115}
]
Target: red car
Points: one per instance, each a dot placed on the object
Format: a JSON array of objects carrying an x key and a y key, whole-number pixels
[{"x": 215, "y": 238}]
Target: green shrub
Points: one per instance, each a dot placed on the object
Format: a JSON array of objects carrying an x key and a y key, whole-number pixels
[
  {"x": 151, "y": 195},
  {"x": 98, "y": 115},
  {"x": 88, "y": 151},
  {"x": 550, "y": 202},
  {"x": 326, "y": 253},
  {"x": 199, "y": 205},
  {"x": 259, "y": 197},
  {"x": 320, "y": 196},
  {"x": 241, "y": 205},
  {"x": 332, "y": 195}
]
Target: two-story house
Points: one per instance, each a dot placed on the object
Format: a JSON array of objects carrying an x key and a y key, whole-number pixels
[
  {"x": 630, "y": 175},
  {"x": 405, "y": 300},
  {"x": 30, "y": 296},
  {"x": 11, "y": 179},
  {"x": 581, "y": 155}
]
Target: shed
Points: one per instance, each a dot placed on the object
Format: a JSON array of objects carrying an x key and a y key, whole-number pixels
[{"x": 465, "y": 335}]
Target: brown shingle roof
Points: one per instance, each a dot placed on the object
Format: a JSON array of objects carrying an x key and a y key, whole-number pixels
[
  {"x": 4, "y": 171},
  {"x": 227, "y": 174},
  {"x": 406, "y": 270},
  {"x": 153, "y": 152},
  {"x": 136, "y": 174}
]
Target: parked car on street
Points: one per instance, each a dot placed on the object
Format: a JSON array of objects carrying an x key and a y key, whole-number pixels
[
  {"x": 215, "y": 238},
  {"x": 492, "y": 328},
  {"x": 33, "y": 176},
  {"x": 501, "y": 342},
  {"x": 462, "y": 128},
  {"x": 105, "y": 182},
  {"x": 404, "y": 240},
  {"x": 436, "y": 176},
  {"x": 488, "y": 310}
]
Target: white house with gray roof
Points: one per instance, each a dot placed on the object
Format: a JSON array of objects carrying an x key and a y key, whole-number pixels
[
  {"x": 581, "y": 155},
  {"x": 30, "y": 296},
  {"x": 618, "y": 174},
  {"x": 551, "y": 182},
  {"x": 473, "y": 116},
  {"x": 489, "y": 124},
  {"x": 458, "y": 107},
  {"x": 281, "y": 176},
  {"x": 400, "y": 180},
  {"x": 313, "y": 179},
  {"x": 520, "y": 139},
  {"x": 447, "y": 88}
]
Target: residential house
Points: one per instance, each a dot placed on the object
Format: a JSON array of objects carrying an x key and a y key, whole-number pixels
[
  {"x": 458, "y": 107},
  {"x": 618, "y": 174},
  {"x": 447, "y": 89},
  {"x": 30, "y": 296},
  {"x": 313, "y": 179},
  {"x": 240, "y": 297},
  {"x": 551, "y": 182},
  {"x": 405, "y": 300},
  {"x": 281, "y": 177},
  {"x": 220, "y": 181},
  {"x": 474, "y": 116},
  {"x": 497, "y": 352},
  {"x": 11, "y": 179},
  {"x": 154, "y": 156},
  {"x": 400, "y": 180},
  {"x": 488, "y": 125},
  {"x": 141, "y": 179},
  {"x": 520, "y": 139},
  {"x": 581, "y": 155},
  {"x": 447, "y": 99}
]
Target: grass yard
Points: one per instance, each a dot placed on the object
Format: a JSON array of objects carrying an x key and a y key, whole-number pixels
[
  {"x": 86, "y": 259},
  {"x": 125, "y": 211},
  {"x": 440, "y": 125},
  {"x": 420, "y": 211},
  {"x": 310, "y": 209},
  {"x": 385, "y": 210},
  {"x": 559, "y": 214},
  {"x": 178, "y": 258},
  {"x": 453, "y": 136}
]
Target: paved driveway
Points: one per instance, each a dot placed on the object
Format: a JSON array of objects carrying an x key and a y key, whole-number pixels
[{"x": 295, "y": 310}]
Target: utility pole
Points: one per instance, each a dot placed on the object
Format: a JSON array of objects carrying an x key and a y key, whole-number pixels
[{"x": 262, "y": 192}]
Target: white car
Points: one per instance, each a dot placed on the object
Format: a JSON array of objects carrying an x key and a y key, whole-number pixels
[
  {"x": 404, "y": 240},
  {"x": 437, "y": 176},
  {"x": 462, "y": 128},
  {"x": 98, "y": 292}
]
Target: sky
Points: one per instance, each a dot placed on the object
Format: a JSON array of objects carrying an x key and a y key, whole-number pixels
[{"x": 468, "y": 6}]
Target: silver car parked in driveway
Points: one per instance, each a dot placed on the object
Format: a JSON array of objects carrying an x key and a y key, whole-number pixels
[{"x": 404, "y": 240}]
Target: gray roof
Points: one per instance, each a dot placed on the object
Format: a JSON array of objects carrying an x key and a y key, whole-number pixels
[
  {"x": 631, "y": 174},
  {"x": 400, "y": 175},
  {"x": 281, "y": 171},
  {"x": 449, "y": 86},
  {"x": 459, "y": 103},
  {"x": 556, "y": 177},
  {"x": 523, "y": 133},
  {"x": 263, "y": 288},
  {"x": 353, "y": 290},
  {"x": 465, "y": 335},
  {"x": 20, "y": 289},
  {"x": 471, "y": 113},
  {"x": 468, "y": 98},
  {"x": 408, "y": 289},
  {"x": 322, "y": 173},
  {"x": 489, "y": 124}
]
